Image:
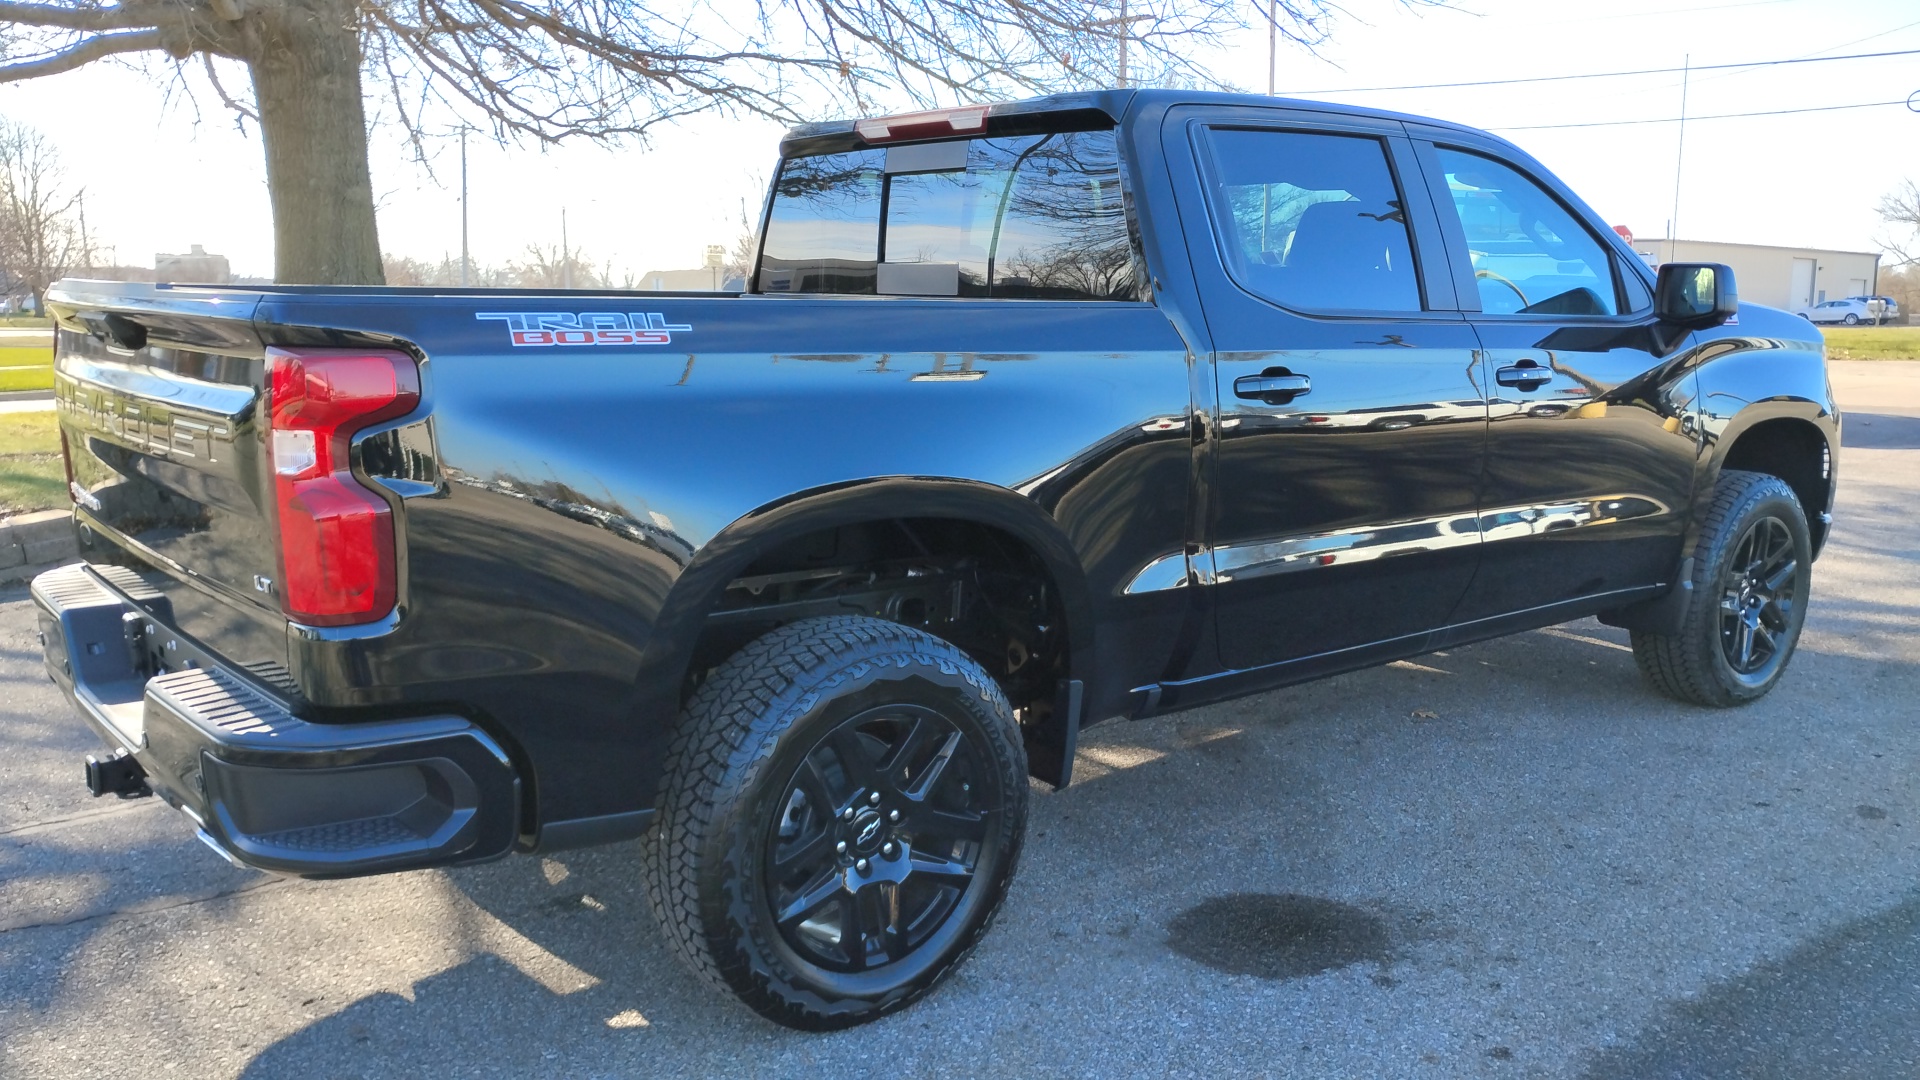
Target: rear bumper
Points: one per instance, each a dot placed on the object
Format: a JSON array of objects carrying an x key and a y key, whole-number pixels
[{"x": 266, "y": 788}]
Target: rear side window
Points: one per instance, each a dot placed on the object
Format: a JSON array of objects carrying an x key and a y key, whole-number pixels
[
  {"x": 1312, "y": 221},
  {"x": 1530, "y": 255},
  {"x": 1031, "y": 216}
]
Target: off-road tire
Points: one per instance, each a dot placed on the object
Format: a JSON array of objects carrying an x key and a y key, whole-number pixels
[
  {"x": 743, "y": 734},
  {"x": 1693, "y": 665}
]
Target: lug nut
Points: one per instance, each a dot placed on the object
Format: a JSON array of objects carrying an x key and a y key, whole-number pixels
[
  {"x": 861, "y": 866},
  {"x": 848, "y": 815},
  {"x": 893, "y": 815},
  {"x": 874, "y": 798},
  {"x": 841, "y": 847},
  {"x": 887, "y": 849}
]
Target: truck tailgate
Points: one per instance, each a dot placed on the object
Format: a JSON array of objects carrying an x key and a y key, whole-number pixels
[{"x": 162, "y": 416}]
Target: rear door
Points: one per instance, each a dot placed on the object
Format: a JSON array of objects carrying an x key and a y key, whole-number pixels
[
  {"x": 1590, "y": 460},
  {"x": 1352, "y": 420}
]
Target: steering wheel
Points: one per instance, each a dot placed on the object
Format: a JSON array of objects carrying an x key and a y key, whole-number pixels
[{"x": 1478, "y": 274}]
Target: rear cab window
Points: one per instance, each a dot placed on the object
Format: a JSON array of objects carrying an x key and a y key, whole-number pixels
[{"x": 1032, "y": 216}]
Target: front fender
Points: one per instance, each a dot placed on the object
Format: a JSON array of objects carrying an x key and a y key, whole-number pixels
[{"x": 1770, "y": 366}]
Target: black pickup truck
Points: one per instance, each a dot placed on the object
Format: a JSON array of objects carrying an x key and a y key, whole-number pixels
[{"x": 1032, "y": 416}]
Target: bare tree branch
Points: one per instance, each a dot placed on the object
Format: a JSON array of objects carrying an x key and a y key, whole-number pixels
[
  {"x": 90, "y": 17},
  {"x": 40, "y": 236},
  {"x": 86, "y": 52},
  {"x": 1902, "y": 208}
]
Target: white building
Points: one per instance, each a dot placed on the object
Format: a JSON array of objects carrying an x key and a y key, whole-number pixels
[
  {"x": 197, "y": 267},
  {"x": 1782, "y": 277}
]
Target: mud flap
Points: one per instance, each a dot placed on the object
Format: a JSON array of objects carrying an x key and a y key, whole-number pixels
[
  {"x": 1664, "y": 614},
  {"x": 1051, "y": 742}
]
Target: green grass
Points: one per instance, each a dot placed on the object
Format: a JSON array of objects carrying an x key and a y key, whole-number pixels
[
  {"x": 32, "y": 476},
  {"x": 1872, "y": 342},
  {"x": 25, "y": 322},
  {"x": 26, "y": 368}
]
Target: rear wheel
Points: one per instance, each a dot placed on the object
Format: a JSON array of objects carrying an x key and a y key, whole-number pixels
[
  {"x": 1851, "y": 319},
  {"x": 841, "y": 818},
  {"x": 1751, "y": 577}
]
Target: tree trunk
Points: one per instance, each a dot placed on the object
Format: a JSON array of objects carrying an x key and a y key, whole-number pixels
[{"x": 306, "y": 84}]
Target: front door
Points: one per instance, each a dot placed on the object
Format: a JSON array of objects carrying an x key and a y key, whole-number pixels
[
  {"x": 1351, "y": 418},
  {"x": 1590, "y": 458}
]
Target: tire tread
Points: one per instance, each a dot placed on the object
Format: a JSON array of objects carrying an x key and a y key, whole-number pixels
[
  {"x": 740, "y": 699},
  {"x": 1681, "y": 665}
]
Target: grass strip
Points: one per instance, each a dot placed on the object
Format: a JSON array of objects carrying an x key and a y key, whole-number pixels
[
  {"x": 32, "y": 476},
  {"x": 1872, "y": 342}
]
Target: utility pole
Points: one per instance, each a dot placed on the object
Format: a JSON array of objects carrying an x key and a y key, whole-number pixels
[
  {"x": 1273, "y": 44},
  {"x": 1679, "y": 157},
  {"x": 566, "y": 255},
  {"x": 463, "y": 206},
  {"x": 86, "y": 241}
]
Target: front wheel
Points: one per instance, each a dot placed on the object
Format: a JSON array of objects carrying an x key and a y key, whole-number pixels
[
  {"x": 1752, "y": 572},
  {"x": 840, "y": 819}
]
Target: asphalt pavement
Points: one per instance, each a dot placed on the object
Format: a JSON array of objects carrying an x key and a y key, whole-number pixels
[{"x": 1506, "y": 860}]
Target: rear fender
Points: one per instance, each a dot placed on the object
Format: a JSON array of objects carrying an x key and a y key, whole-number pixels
[{"x": 698, "y": 590}]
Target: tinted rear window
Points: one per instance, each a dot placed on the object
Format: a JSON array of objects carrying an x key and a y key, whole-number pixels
[
  {"x": 1030, "y": 216},
  {"x": 1313, "y": 220}
]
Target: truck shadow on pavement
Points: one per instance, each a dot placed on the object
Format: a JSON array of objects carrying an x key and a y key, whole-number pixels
[
  {"x": 1839, "y": 1005},
  {"x": 1425, "y": 823},
  {"x": 1880, "y": 431}
]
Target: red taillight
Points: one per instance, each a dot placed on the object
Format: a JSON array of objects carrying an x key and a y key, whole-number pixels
[
  {"x": 336, "y": 537},
  {"x": 968, "y": 120}
]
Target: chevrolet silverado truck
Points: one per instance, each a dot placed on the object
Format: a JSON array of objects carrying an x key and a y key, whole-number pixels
[{"x": 1031, "y": 416}]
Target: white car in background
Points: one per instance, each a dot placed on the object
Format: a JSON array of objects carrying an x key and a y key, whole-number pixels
[
  {"x": 1893, "y": 306},
  {"x": 1849, "y": 311}
]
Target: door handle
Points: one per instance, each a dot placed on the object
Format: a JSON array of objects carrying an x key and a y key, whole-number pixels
[
  {"x": 1527, "y": 375},
  {"x": 1275, "y": 386}
]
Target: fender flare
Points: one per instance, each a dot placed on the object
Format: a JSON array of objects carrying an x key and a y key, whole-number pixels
[
  {"x": 1815, "y": 414},
  {"x": 719, "y": 561},
  {"x": 1666, "y": 613}
]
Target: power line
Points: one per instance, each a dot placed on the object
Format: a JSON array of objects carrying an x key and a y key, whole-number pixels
[
  {"x": 1830, "y": 48},
  {"x": 1604, "y": 74},
  {"x": 1691, "y": 119}
]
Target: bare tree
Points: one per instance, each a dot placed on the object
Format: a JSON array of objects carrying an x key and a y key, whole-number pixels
[
  {"x": 42, "y": 237},
  {"x": 745, "y": 248},
  {"x": 594, "y": 68},
  {"x": 1901, "y": 209},
  {"x": 548, "y": 266}
]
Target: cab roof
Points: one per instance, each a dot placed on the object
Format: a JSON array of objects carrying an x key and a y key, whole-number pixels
[{"x": 1085, "y": 110}]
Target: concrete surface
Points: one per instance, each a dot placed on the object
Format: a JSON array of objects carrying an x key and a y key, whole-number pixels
[
  {"x": 30, "y": 543},
  {"x": 1505, "y": 860}
]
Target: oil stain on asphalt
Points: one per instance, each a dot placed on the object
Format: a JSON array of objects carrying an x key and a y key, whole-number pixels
[{"x": 1282, "y": 936}]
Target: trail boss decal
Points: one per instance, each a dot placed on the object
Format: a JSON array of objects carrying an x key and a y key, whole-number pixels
[{"x": 587, "y": 327}]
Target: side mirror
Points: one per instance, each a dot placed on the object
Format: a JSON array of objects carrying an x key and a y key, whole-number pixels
[{"x": 1695, "y": 295}]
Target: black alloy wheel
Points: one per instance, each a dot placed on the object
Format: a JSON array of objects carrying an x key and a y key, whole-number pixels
[
  {"x": 839, "y": 820},
  {"x": 1757, "y": 596},
  {"x": 875, "y": 844},
  {"x": 1752, "y": 575}
]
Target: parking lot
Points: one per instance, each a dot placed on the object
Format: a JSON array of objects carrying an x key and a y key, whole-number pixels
[{"x": 1511, "y": 859}]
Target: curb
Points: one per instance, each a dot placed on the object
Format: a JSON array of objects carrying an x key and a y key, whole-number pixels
[{"x": 30, "y": 543}]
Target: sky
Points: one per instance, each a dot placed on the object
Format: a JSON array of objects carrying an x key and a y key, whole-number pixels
[{"x": 163, "y": 171}]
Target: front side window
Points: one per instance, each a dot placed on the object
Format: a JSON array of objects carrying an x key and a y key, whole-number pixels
[
  {"x": 1312, "y": 221},
  {"x": 1530, "y": 255},
  {"x": 1031, "y": 216}
]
